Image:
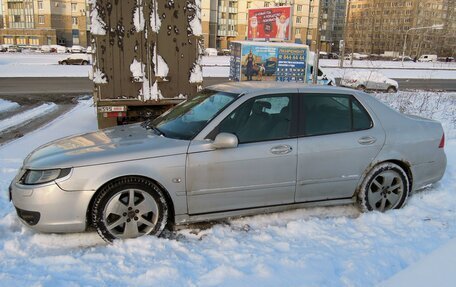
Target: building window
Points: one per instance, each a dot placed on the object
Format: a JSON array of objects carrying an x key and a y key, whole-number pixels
[
  {"x": 298, "y": 31},
  {"x": 74, "y": 7},
  {"x": 299, "y": 8},
  {"x": 41, "y": 19},
  {"x": 249, "y": 4},
  {"x": 266, "y": 4},
  {"x": 40, "y": 5},
  {"x": 298, "y": 19},
  {"x": 74, "y": 20},
  {"x": 17, "y": 18}
]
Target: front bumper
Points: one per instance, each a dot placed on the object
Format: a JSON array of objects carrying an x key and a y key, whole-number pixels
[{"x": 48, "y": 208}]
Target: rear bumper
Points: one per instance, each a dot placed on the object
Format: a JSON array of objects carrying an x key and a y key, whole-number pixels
[
  {"x": 47, "y": 208},
  {"x": 430, "y": 172}
]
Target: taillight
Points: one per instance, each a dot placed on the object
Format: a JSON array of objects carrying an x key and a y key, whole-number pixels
[{"x": 442, "y": 141}]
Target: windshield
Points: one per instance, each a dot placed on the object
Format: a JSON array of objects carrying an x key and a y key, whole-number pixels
[{"x": 187, "y": 119}]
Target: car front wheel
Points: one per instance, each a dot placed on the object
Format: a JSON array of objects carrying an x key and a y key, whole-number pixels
[
  {"x": 361, "y": 88},
  {"x": 385, "y": 187},
  {"x": 128, "y": 208},
  {"x": 391, "y": 89}
]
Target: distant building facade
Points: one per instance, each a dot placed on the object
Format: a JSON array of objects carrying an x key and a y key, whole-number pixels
[
  {"x": 227, "y": 20},
  {"x": 337, "y": 33},
  {"x": 44, "y": 22},
  {"x": 376, "y": 26}
]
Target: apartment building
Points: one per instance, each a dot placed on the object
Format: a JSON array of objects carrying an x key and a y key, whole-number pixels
[
  {"x": 44, "y": 22},
  {"x": 227, "y": 20},
  {"x": 376, "y": 26},
  {"x": 338, "y": 23}
]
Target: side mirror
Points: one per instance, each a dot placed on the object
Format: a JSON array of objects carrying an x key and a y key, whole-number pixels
[{"x": 225, "y": 140}]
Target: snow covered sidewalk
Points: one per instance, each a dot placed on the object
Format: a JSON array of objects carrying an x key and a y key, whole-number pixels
[{"x": 334, "y": 246}]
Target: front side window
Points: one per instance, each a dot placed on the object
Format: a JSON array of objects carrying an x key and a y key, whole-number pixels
[
  {"x": 329, "y": 114},
  {"x": 259, "y": 119},
  {"x": 187, "y": 119}
]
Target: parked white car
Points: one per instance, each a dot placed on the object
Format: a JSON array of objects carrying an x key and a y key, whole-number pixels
[
  {"x": 428, "y": 58},
  {"x": 210, "y": 52},
  {"x": 77, "y": 49},
  {"x": 368, "y": 80}
]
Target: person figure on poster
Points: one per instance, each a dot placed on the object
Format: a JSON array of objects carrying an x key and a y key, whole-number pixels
[
  {"x": 282, "y": 25},
  {"x": 253, "y": 27},
  {"x": 261, "y": 71},
  {"x": 249, "y": 62}
]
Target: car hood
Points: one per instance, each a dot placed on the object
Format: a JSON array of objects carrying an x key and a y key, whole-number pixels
[{"x": 116, "y": 144}]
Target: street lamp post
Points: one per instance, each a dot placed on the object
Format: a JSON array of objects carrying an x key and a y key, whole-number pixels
[{"x": 433, "y": 27}]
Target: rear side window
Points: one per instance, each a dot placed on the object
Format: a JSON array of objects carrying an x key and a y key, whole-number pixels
[{"x": 322, "y": 114}]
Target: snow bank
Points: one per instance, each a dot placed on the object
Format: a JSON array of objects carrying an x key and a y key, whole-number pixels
[
  {"x": 7, "y": 105},
  {"x": 334, "y": 246},
  {"x": 27, "y": 116}
]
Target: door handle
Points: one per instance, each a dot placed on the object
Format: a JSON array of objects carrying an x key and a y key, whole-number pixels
[
  {"x": 281, "y": 149},
  {"x": 367, "y": 140}
]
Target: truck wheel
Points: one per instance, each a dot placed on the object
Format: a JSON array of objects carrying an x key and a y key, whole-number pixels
[
  {"x": 128, "y": 208},
  {"x": 385, "y": 187}
]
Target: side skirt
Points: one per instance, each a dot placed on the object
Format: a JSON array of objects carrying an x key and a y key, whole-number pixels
[{"x": 186, "y": 219}]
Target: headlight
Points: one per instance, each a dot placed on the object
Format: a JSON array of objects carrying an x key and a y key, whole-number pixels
[{"x": 43, "y": 176}]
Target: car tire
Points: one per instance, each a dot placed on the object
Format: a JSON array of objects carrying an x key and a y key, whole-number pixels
[
  {"x": 128, "y": 208},
  {"x": 385, "y": 187},
  {"x": 64, "y": 63},
  {"x": 85, "y": 63},
  {"x": 361, "y": 88},
  {"x": 391, "y": 89}
]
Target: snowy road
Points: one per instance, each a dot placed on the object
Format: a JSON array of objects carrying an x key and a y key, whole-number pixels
[{"x": 334, "y": 246}]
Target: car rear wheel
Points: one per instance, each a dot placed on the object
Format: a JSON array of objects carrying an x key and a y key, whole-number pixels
[
  {"x": 391, "y": 89},
  {"x": 64, "y": 63},
  {"x": 361, "y": 88},
  {"x": 85, "y": 63},
  {"x": 129, "y": 208},
  {"x": 385, "y": 187}
]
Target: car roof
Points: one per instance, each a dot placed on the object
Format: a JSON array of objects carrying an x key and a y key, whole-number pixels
[{"x": 251, "y": 87}]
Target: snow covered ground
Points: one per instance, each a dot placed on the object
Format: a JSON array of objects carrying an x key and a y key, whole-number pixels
[
  {"x": 46, "y": 65},
  {"x": 334, "y": 246}
]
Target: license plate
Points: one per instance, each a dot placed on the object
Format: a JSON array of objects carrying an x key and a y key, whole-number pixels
[{"x": 110, "y": 109}]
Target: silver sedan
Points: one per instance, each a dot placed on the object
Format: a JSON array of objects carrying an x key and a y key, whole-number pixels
[{"x": 235, "y": 149}]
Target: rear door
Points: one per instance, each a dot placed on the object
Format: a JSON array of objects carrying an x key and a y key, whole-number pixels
[{"x": 338, "y": 139}]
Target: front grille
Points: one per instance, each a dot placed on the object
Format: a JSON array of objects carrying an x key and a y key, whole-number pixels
[{"x": 31, "y": 217}]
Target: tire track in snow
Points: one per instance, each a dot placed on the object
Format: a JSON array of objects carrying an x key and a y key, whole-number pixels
[{"x": 27, "y": 116}]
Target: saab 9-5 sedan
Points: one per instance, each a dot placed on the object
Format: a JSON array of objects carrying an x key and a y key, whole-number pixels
[{"x": 234, "y": 149}]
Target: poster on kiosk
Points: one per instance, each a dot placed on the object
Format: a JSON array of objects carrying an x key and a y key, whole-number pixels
[{"x": 270, "y": 24}]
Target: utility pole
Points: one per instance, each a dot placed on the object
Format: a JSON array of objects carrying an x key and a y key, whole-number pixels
[
  {"x": 318, "y": 44},
  {"x": 342, "y": 47}
]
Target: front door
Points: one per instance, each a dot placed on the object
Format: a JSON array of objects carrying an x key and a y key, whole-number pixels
[
  {"x": 338, "y": 140},
  {"x": 261, "y": 171}
]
